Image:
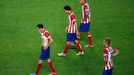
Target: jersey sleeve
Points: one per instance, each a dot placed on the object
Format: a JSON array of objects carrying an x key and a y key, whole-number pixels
[
  {"x": 73, "y": 19},
  {"x": 105, "y": 52},
  {"x": 86, "y": 8},
  {"x": 47, "y": 35}
]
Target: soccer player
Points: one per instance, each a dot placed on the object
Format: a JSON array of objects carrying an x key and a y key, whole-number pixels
[
  {"x": 108, "y": 53},
  {"x": 45, "y": 50},
  {"x": 71, "y": 32},
  {"x": 85, "y": 22}
]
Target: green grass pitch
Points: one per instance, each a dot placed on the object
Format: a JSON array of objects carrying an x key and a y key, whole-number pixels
[{"x": 20, "y": 41}]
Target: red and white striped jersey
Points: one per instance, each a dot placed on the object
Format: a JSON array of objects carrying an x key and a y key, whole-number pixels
[
  {"x": 45, "y": 34},
  {"x": 108, "y": 51},
  {"x": 71, "y": 23},
  {"x": 85, "y": 8}
]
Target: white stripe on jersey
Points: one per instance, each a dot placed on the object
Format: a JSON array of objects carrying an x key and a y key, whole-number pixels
[
  {"x": 109, "y": 64},
  {"x": 71, "y": 26},
  {"x": 43, "y": 37}
]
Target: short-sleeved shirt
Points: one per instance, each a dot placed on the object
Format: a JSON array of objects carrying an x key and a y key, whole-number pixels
[
  {"x": 85, "y": 8},
  {"x": 45, "y": 35},
  {"x": 71, "y": 21},
  {"x": 108, "y": 52}
]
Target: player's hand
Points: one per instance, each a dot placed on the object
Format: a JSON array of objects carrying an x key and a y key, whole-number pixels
[
  {"x": 116, "y": 52},
  {"x": 45, "y": 47},
  {"x": 77, "y": 33},
  {"x": 66, "y": 29},
  {"x": 82, "y": 20}
]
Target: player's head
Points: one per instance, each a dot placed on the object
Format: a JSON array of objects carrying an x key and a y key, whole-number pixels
[
  {"x": 67, "y": 9},
  {"x": 40, "y": 27},
  {"x": 107, "y": 41},
  {"x": 82, "y": 1}
]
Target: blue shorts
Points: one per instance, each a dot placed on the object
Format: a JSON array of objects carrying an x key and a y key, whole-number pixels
[
  {"x": 84, "y": 27},
  {"x": 107, "y": 72},
  {"x": 71, "y": 37},
  {"x": 45, "y": 54}
]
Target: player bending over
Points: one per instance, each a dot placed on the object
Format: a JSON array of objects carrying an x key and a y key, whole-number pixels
[
  {"x": 71, "y": 32},
  {"x": 45, "y": 50},
  {"x": 108, "y": 53}
]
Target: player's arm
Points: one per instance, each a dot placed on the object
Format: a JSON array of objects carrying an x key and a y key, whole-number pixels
[
  {"x": 50, "y": 41},
  {"x": 116, "y": 52},
  {"x": 105, "y": 60},
  {"x": 86, "y": 16},
  {"x": 105, "y": 52},
  {"x": 66, "y": 29},
  {"x": 76, "y": 27}
]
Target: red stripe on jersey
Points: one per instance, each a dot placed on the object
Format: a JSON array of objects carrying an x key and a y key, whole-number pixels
[
  {"x": 71, "y": 23},
  {"x": 108, "y": 52},
  {"x": 45, "y": 35}
]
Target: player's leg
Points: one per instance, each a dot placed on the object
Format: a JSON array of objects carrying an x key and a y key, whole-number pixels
[
  {"x": 69, "y": 40},
  {"x": 51, "y": 66},
  {"x": 65, "y": 49},
  {"x": 72, "y": 44},
  {"x": 89, "y": 40},
  {"x": 38, "y": 67},
  {"x": 79, "y": 48},
  {"x": 39, "y": 62},
  {"x": 43, "y": 56},
  {"x": 81, "y": 29}
]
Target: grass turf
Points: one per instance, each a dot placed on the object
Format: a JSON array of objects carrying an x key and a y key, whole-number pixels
[{"x": 20, "y": 40}]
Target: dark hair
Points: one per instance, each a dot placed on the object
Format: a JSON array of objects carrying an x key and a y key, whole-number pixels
[
  {"x": 107, "y": 40},
  {"x": 67, "y": 7},
  {"x": 40, "y": 26}
]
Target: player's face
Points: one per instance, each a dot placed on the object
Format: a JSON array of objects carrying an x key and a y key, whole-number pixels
[
  {"x": 104, "y": 43},
  {"x": 82, "y": 1},
  {"x": 40, "y": 29},
  {"x": 66, "y": 11}
]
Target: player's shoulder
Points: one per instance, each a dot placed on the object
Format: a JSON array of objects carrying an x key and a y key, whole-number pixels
[
  {"x": 86, "y": 4},
  {"x": 105, "y": 52},
  {"x": 109, "y": 49},
  {"x": 72, "y": 14},
  {"x": 46, "y": 32},
  {"x": 106, "y": 49}
]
